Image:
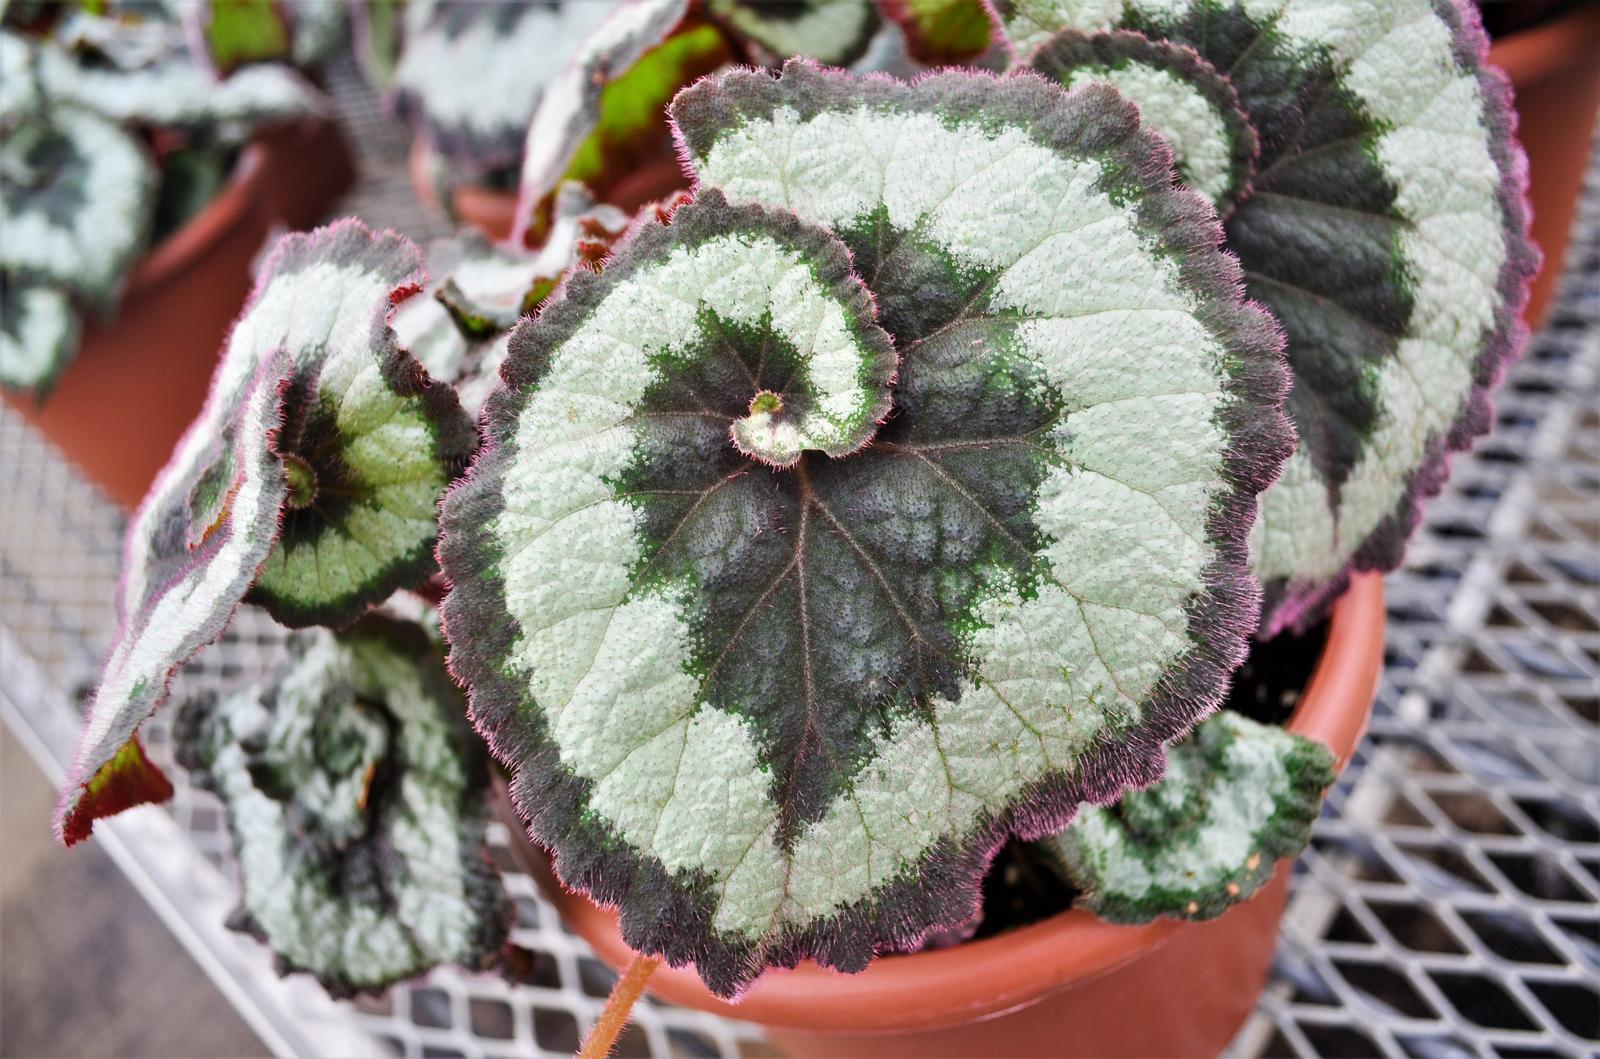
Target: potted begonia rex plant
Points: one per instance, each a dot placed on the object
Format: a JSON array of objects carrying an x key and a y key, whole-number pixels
[
  {"x": 137, "y": 188},
  {"x": 911, "y": 489}
]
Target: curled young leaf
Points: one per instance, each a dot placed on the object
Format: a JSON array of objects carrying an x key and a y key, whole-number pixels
[
  {"x": 356, "y": 795},
  {"x": 835, "y": 32},
  {"x": 38, "y": 334},
  {"x": 778, "y": 703},
  {"x": 75, "y": 198},
  {"x": 1236, "y": 798},
  {"x": 192, "y": 551},
  {"x": 470, "y": 74},
  {"x": 1180, "y": 95},
  {"x": 1387, "y": 231},
  {"x": 309, "y": 480}
]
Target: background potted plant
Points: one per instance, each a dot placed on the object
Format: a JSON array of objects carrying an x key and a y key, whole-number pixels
[
  {"x": 888, "y": 501},
  {"x": 511, "y": 100},
  {"x": 137, "y": 194}
]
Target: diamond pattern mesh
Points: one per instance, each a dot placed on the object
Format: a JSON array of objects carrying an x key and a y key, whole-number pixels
[{"x": 1449, "y": 905}]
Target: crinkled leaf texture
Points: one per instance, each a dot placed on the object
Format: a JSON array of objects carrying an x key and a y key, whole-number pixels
[
  {"x": 1180, "y": 95},
  {"x": 309, "y": 481},
  {"x": 1387, "y": 230},
  {"x": 356, "y": 794},
  {"x": 1237, "y": 797},
  {"x": 76, "y": 194},
  {"x": 460, "y": 330},
  {"x": 778, "y": 704},
  {"x": 470, "y": 74}
]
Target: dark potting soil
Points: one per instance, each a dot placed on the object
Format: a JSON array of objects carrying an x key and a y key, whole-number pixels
[
  {"x": 1022, "y": 885},
  {"x": 1502, "y": 18}
]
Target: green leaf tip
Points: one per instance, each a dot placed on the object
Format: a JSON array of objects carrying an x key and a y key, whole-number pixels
[
  {"x": 1237, "y": 797},
  {"x": 356, "y": 796}
]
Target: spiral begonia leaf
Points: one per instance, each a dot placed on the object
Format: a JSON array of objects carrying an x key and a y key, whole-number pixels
[
  {"x": 470, "y": 74},
  {"x": 357, "y": 795},
  {"x": 38, "y": 334},
  {"x": 309, "y": 481},
  {"x": 1387, "y": 231},
  {"x": 76, "y": 193},
  {"x": 1237, "y": 797},
  {"x": 778, "y": 713}
]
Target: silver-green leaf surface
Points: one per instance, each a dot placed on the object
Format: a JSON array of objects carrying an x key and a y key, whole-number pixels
[
  {"x": 356, "y": 794},
  {"x": 781, "y": 645}
]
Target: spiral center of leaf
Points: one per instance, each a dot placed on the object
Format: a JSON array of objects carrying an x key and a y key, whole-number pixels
[{"x": 302, "y": 480}]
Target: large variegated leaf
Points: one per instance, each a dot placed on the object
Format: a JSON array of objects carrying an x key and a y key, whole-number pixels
[
  {"x": 38, "y": 334},
  {"x": 604, "y": 112},
  {"x": 1237, "y": 797},
  {"x": 835, "y": 32},
  {"x": 470, "y": 74},
  {"x": 356, "y": 795},
  {"x": 1388, "y": 233},
  {"x": 76, "y": 193},
  {"x": 309, "y": 480},
  {"x": 777, "y": 672}
]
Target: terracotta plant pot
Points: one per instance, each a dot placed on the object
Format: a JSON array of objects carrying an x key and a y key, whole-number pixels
[
  {"x": 137, "y": 382},
  {"x": 311, "y": 168},
  {"x": 1555, "y": 69},
  {"x": 1070, "y": 985}
]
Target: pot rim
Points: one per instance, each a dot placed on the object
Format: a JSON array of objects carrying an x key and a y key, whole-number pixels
[
  {"x": 196, "y": 236},
  {"x": 1532, "y": 55},
  {"x": 989, "y": 977}
]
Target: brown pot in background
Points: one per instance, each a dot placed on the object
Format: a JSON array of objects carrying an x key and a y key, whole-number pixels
[
  {"x": 1555, "y": 69},
  {"x": 137, "y": 382},
  {"x": 1070, "y": 985},
  {"x": 311, "y": 167}
]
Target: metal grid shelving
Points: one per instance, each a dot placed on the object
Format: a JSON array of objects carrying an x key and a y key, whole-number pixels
[{"x": 1449, "y": 905}]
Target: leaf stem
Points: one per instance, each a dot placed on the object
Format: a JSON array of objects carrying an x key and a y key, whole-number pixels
[{"x": 614, "y": 1016}]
